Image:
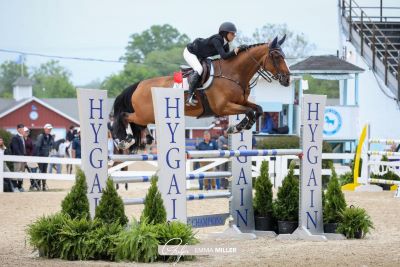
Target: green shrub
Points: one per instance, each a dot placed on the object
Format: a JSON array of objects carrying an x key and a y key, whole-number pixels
[
  {"x": 139, "y": 243},
  {"x": 346, "y": 178},
  {"x": 103, "y": 240},
  {"x": 76, "y": 203},
  {"x": 111, "y": 207},
  {"x": 286, "y": 206},
  {"x": 353, "y": 221},
  {"x": 154, "y": 210},
  {"x": 44, "y": 234},
  {"x": 175, "y": 233},
  {"x": 75, "y": 239},
  {"x": 263, "y": 192},
  {"x": 334, "y": 202}
]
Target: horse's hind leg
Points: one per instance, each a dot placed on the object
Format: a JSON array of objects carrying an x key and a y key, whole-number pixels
[{"x": 258, "y": 112}]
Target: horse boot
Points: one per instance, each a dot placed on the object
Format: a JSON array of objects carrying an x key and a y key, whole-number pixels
[{"x": 194, "y": 80}]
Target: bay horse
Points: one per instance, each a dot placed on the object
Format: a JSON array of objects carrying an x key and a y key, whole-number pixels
[{"x": 227, "y": 95}]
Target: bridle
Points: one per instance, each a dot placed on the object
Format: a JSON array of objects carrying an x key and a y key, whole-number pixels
[{"x": 266, "y": 74}]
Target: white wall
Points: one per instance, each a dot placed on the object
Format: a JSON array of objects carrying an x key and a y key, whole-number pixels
[
  {"x": 272, "y": 92},
  {"x": 381, "y": 112}
]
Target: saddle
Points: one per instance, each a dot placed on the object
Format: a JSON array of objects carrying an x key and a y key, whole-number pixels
[{"x": 206, "y": 77}]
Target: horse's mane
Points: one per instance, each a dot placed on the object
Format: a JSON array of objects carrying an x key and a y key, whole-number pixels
[{"x": 249, "y": 46}]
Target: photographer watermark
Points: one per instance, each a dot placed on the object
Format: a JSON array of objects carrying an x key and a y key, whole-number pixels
[{"x": 193, "y": 250}]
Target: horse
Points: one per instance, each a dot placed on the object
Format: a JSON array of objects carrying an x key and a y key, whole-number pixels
[{"x": 227, "y": 95}]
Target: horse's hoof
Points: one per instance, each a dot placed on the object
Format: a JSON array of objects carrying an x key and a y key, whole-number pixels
[{"x": 121, "y": 145}]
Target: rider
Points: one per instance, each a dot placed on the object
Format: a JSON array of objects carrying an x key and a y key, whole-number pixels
[{"x": 217, "y": 44}]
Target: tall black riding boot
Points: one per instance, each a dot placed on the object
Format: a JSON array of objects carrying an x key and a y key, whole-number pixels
[{"x": 194, "y": 80}]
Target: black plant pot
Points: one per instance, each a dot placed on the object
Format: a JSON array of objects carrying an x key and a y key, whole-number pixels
[
  {"x": 385, "y": 187},
  {"x": 287, "y": 227},
  {"x": 264, "y": 223},
  {"x": 330, "y": 227},
  {"x": 358, "y": 234}
]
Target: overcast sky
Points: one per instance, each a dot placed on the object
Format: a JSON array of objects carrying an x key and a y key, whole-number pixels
[{"x": 101, "y": 28}]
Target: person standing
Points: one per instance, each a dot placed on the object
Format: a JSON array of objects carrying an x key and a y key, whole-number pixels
[
  {"x": 17, "y": 148},
  {"x": 43, "y": 146},
  {"x": 208, "y": 144},
  {"x": 33, "y": 166},
  {"x": 76, "y": 145}
]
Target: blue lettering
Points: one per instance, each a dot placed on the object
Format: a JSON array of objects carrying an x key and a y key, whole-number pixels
[
  {"x": 173, "y": 208},
  {"x": 242, "y": 175},
  {"x": 96, "y": 182},
  {"x": 313, "y": 131},
  {"x": 311, "y": 111},
  {"x": 245, "y": 157},
  {"x": 172, "y": 107},
  {"x": 308, "y": 155},
  {"x": 96, "y": 132},
  {"x": 100, "y": 108},
  {"x": 312, "y": 198},
  {"x": 314, "y": 222},
  {"x": 173, "y": 183},
  {"x": 172, "y": 131},
  {"x": 244, "y": 219},
  {"x": 312, "y": 177},
  {"x": 91, "y": 158},
  {"x": 168, "y": 159}
]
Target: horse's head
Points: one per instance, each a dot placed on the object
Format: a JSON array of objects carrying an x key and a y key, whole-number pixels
[{"x": 275, "y": 63}]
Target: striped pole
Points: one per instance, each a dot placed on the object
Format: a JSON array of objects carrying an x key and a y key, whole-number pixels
[
  {"x": 384, "y": 153},
  {"x": 189, "y": 197},
  {"x": 142, "y": 157},
  {"x": 383, "y": 181},
  {"x": 242, "y": 153},
  {"x": 385, "y": 141},
  {"x": 190, "y": 176}
]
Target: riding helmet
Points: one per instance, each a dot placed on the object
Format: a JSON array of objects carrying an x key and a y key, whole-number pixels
[{"x": 227, "y": 27}]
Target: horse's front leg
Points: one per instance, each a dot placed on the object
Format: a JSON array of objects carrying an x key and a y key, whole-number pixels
[
  {"x": 257, "y": 109},
  {"x": 234, "y": 109}
]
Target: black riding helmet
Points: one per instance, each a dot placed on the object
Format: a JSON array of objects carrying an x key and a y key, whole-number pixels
[{"x": 227, "y": 27}]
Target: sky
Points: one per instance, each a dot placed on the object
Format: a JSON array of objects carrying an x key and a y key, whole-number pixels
[{"x": 101, "y": 28}]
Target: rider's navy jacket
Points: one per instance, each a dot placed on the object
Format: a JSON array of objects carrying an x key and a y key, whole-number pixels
[{"x": 209, "y": 47}]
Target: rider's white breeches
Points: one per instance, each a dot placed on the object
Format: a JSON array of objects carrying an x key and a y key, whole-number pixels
[{"x": 193, "y": 61}]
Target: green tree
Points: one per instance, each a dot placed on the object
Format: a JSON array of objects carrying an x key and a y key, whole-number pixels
[
  {"x": 76, "y": 203},
  {"x": 154, "y": 211},
  {"x": 334, "y": 201},
  {"x": 157, "y": 38},
  {"x": 165, "y": 62},
  {"x": 330, "y": 88},
  {"x": 263, "y": 193},
  {"x": 296, "y": 44},
  {"x": 52, "y": 81},
  {"x": 111, "y": 207},
  {"x": 9, "y": 72}
]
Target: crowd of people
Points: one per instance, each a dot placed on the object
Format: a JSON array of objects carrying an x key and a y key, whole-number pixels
[{"x": 44, "y": 145}]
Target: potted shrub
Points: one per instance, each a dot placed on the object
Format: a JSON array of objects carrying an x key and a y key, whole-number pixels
[
  {"x": 286, "y": 206},
  {"x": 355, "y": 223},
  {"x": 334, "y": 204},
  {"x": 263, "y": 211}
]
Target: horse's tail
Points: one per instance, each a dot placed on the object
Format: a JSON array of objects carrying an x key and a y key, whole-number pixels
[{"x": 122, "y": 105}]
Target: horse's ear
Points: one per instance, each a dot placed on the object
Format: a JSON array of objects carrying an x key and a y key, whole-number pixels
[
  {"x": 274, "y": 42},
  {"x": 282, "y": 40}
]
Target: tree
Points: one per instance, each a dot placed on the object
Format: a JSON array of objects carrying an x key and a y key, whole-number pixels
[
  {"x": 296, "y": 45},
  {"x": 157, "y": 38},
  {"x": 52, "y": 80},
  {"x": 9, "y": 72},
  {"x": 165, "y": 62}
]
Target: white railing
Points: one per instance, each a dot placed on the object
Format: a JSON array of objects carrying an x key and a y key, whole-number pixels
[{"x": 277, "y": 167}]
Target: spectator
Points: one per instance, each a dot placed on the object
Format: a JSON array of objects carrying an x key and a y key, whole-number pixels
[
  {"x": 43, "y": 146},
  {"x": 32, "y": 167},
  {"x": 224, "y": 145},
  {"x": 76, "y": 145},
  {"x": 70, "y": 134},
  {"x": 269, "y": 124},
  {"x": 56, "y": 152},
  {"x": 208, "y": 144},
  {"x": 7, "y": 186},
  {"x": 17, "y": 148}
]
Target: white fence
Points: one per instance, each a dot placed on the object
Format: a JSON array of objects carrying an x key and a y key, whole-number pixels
[{"x": 277, "y": 167}]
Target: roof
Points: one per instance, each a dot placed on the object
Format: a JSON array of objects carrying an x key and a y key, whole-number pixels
[
  {"x": 323, "y": 65},
  {"x": 7, "y": 103},
  {"x": 23, "y": 81}
]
